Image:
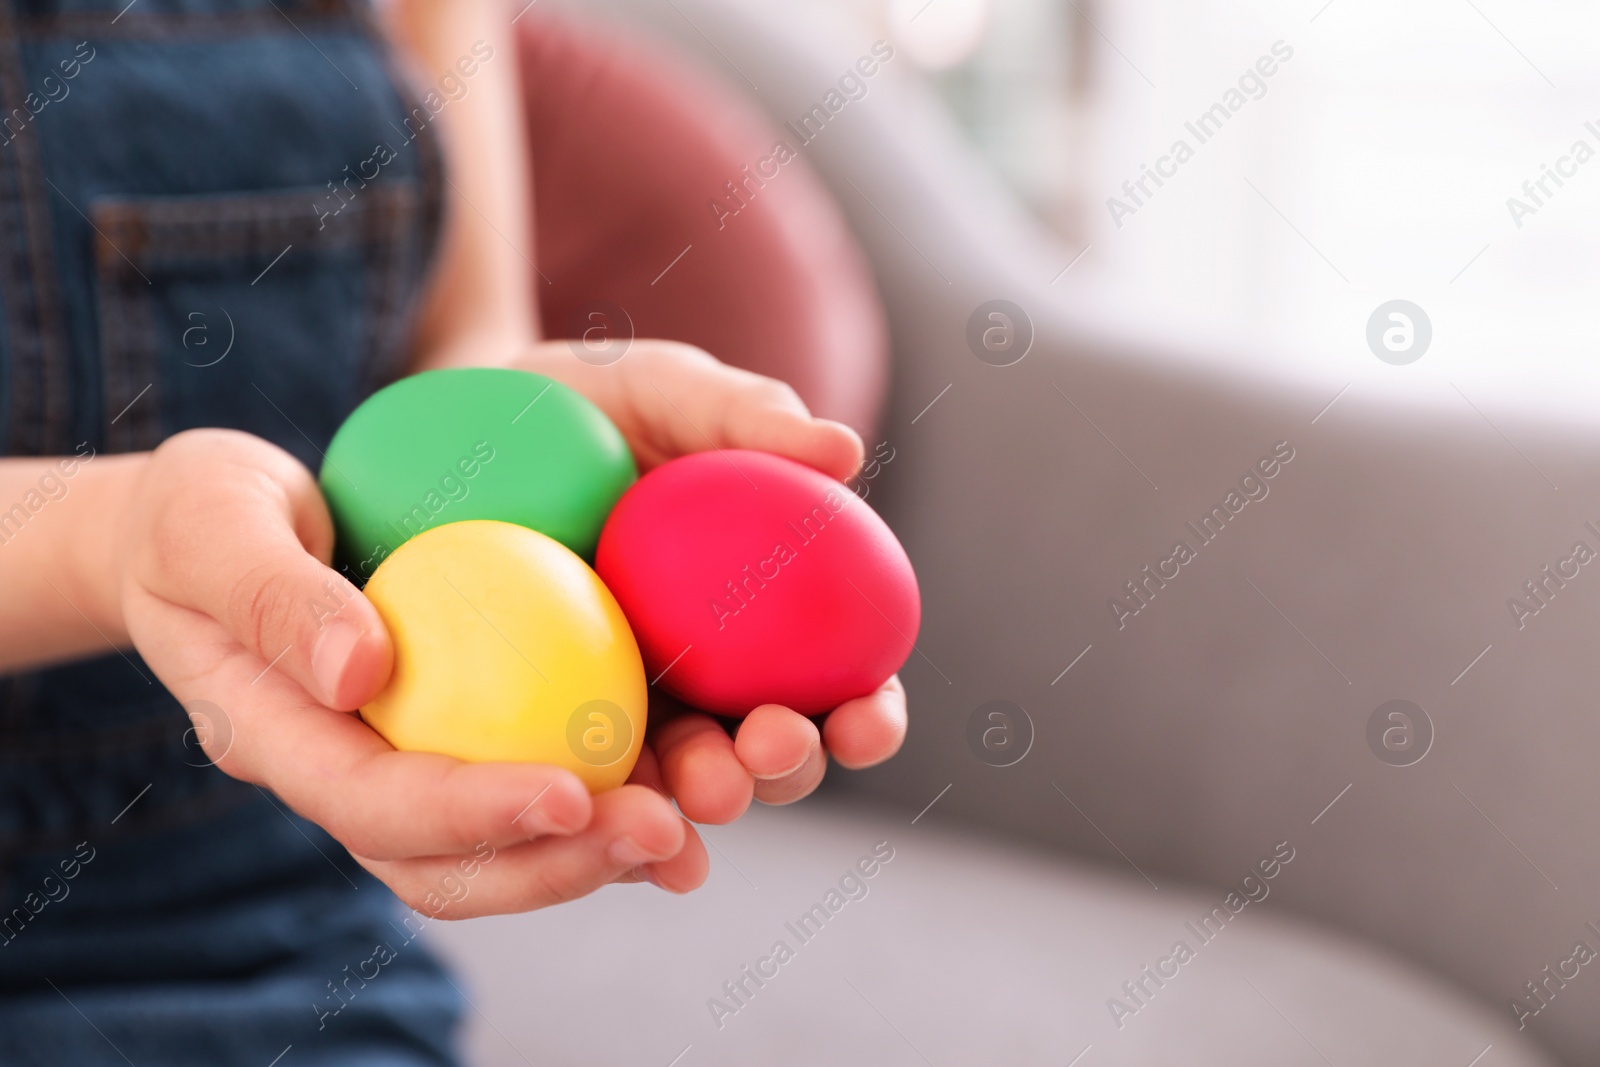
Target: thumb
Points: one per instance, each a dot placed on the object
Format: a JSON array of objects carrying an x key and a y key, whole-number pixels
[
  {"x": 251, "y": 555},
  {"x": 309, "y": 621},
  {"x": 769, "y": 416}
]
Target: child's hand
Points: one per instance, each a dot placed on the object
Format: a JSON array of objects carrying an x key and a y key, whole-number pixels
[
  {"x": 670, "y": 399},
  {"x": 224, "y": 590}
]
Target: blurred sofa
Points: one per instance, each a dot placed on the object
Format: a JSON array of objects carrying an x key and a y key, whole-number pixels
[{"x": 1234, "y": 711}]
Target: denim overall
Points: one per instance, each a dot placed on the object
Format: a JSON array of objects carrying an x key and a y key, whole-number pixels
[{"x": 198, "y": 227}]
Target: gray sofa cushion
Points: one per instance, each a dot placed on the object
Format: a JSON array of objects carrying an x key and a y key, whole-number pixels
[{"x": 958, "y": 950}]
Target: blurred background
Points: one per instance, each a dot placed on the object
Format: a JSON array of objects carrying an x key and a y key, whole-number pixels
[
  {"x": 1439, "y": 903},
  {"x": 1391, "y": 142}
]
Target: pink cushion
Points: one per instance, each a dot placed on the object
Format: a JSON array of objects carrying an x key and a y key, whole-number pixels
[{"x": 630, "y": 148}]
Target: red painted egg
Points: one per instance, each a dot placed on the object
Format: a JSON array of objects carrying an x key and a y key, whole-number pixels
[{"x": 750, "y": 579}]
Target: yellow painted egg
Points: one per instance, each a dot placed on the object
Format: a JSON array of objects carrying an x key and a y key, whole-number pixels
[{"x": 507, "y": 647}]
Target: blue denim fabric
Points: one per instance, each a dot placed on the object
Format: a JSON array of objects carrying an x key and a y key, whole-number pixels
[{"x": 174, "y": 254}]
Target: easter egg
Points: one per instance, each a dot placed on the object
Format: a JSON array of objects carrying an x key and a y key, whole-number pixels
[
  {"x": 507, "y": 647},
  {"x": 751, "y": 579},
  {"x": 475, "y": 443}
]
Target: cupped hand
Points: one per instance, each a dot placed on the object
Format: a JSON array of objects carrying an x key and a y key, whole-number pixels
[
  {"x": 669, "y": 400},
  {"x": 225, "y": 590}
]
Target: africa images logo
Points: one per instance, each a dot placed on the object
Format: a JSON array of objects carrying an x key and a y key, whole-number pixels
[
  {"x": 1252, "y": 85},
  {"x": 1137, "y": 594},
  {"x": 851, "y": 87}
]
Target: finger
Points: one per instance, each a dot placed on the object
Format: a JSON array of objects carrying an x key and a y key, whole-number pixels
[
  {"x": 287, "y": 607},
  {"x": 336, "y": 771},
  {"x": 782, "y": 750},
  {"x": 686, "y": 870},
  {"x": 647, "y": 771},
  {"x": 774, "y": 426},
  {"x": 869, "y": 729},
  {"x": 696, "y": 402},
  {"x": 699, "y": 769},
  {"x": 405, "y": 804},
  {"x": 774, "y": 742},
  {"x": 682, "y": 873},
  {"x": 632, "y": 826},
  {"x": 396, "y": 805}
]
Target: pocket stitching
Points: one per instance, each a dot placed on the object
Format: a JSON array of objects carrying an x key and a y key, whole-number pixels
[{"x": 135, "y": 235}]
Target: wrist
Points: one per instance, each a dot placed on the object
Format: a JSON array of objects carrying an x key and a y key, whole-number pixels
[
  {"x": 480, "y": 348},
  {"x": 96, "y": 538}
]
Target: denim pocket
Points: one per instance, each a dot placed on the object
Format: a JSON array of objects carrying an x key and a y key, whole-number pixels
[{"x": 270, "y": 312}]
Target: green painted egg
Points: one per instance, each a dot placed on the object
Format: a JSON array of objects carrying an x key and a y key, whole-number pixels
[{"x": 475, "y": 443}]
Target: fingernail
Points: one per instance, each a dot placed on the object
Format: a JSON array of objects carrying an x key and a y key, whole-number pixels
[
  {"x": 331, "y": 656},
  {"x": 786, "y": 773},
  {"x": 626, "y": 851},
  {"x": 535, "y": 822},
  {"x": 645, "y": 872}
]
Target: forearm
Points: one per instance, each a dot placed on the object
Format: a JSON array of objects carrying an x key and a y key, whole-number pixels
[
  {"x": 58, "y": 588},
  {"x": 58, "y": 523},
  {"x": 480, "y": 306}
]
